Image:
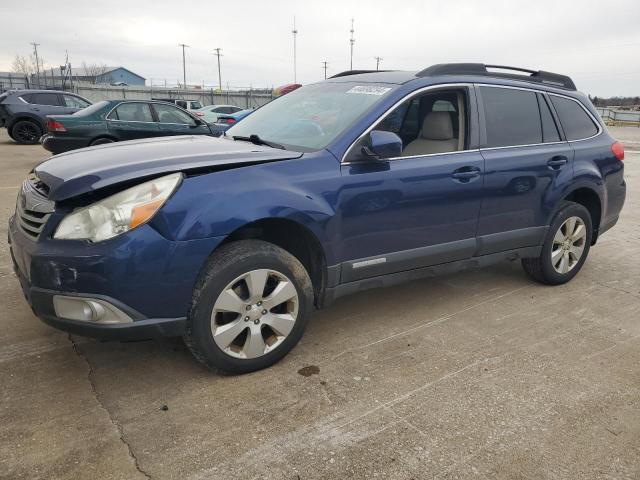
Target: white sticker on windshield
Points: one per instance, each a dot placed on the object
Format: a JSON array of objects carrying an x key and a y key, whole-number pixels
[{"x": 369, "y": 90}]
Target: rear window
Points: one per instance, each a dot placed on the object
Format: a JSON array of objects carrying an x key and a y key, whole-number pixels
[
  {"x": 43, "y": 99},
  {"x": 576, "y": 123},
  {"x": 132, "y": 112},
  {"x": 512, "y": 117}
]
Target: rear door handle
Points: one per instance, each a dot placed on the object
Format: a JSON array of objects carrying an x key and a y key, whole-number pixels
[
  {"x": 466, "y": 174},
  {"x": 557, "y": 162}
]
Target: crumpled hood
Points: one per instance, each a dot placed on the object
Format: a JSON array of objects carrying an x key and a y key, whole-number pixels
[{"x": 81, "y": 171}]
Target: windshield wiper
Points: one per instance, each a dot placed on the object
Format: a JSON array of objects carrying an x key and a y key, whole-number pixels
[{"x": 256, "y": 140}]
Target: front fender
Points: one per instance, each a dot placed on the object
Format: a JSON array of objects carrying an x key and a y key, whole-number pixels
[{"x": 216, "y": 204}]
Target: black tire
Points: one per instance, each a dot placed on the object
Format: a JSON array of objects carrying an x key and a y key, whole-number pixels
[
  {"x": 541, "y": 269},
  {"x": 26, "y": 132},
  {"x": 225, "y": 265},
  {"x": 101, "y": 141}
]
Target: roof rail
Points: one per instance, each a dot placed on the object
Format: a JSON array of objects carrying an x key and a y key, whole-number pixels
[
  {"x": 356, "y": 72},
  {"x": 538, "y": 76}
]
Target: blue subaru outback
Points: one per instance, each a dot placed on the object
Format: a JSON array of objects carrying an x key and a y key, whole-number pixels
[{"x": 361, "y": 181}]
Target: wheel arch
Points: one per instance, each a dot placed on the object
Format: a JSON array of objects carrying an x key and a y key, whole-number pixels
[
  {"x": 101, "y": 136},
  {"x": 589, "y": 198},
  {"x": 28, "y": 117},
  {"x": 295, "y": 238}
]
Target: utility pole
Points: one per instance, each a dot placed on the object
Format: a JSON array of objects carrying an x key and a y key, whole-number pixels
[
  {"x": 295, "y": 33},
  {"x": 35, "y": 51},
  {"x": 351, "y": 42},
  {"x": 218, "y": 54},
  {"x": 324, "y": 65},
  {"x": 184, "y": 68},
  {"x": 378, "y": 59}
]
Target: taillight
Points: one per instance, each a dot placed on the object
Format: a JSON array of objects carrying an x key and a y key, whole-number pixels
[
  {"x": 200, "y": 114},
  {"x": 618, "y": 150},
  {"x": 55, "y": 126},
  {"x": 229, "y": 121}
]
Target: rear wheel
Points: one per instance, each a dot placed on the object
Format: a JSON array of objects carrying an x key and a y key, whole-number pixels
[
  {"x": 565, "y": 248},
  {"x": 26, "y": 132},
  {"x": 250, "y": 307},
  {"x": 101, "y": 141}
]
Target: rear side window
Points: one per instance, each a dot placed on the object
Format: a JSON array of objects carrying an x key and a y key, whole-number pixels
[
  {"x": 43, "y": 99},
  {"x": 132, "y": 112},
  {"x": 576, "y": 123},
  {"x": 549, "y": 129},
  {"x": 512, "y": 117}
]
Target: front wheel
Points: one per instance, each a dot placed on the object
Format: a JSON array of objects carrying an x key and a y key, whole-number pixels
[
  {"x": 565, "y": 248},
  {"x": 250, "y": 307}
]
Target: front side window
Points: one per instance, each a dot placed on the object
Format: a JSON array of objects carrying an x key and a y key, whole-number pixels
[
  {"x": 169, "y": 114},
  {"x": 132, "y": 112},
  {"x": 576, "y": 123},
  {"x": 427, "y": 124},
  {"x": 75, "y": 102},
  {"x": 512, "y": 117},
  {"x": 311, "y": 117}
]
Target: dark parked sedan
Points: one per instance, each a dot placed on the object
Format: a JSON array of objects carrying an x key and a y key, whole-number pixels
[
  {"x": 24, "y": 112},
  {"x": 117, "y": 120}
]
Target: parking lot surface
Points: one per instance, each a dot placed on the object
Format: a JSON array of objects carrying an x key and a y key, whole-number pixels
[{"x": 483, "y": 374}]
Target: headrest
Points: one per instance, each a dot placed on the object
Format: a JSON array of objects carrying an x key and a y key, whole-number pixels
[{"x": 437, "y": 126}]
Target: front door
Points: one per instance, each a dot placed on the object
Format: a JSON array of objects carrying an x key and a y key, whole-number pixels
[
  {"x": 173, "y": 121},
  {"x": 421, "y": 208},
  {"x": 525, "y": 157}
]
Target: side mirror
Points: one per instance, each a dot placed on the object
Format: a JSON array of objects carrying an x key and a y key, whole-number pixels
[{"x": 383, "y": 144}]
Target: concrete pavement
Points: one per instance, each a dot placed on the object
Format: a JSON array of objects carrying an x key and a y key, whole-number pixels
[{"x": 483, "y": 374}]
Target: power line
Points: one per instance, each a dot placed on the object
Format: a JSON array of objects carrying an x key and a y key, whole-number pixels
[
  {"x": 295, "y": 33},
  {"x": 378, "y": 60},
  {"x": 35, "y": 50},
  {"x": 184, "y": 68},
  {"x": 324, "y": 65},
  {"x": 218, "y": 54},
  {"x": 351, "y": 42}
]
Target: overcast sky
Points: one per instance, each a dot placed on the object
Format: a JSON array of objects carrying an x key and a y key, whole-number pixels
[{"x": 596, "y": 42}]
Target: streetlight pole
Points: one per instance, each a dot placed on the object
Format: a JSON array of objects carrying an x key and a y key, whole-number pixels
[
  {"x": 184, "y": 68},
  {"x": 295, "y": 33},
  {"x": 324, "y": 66},
  {"x": 35, "y": 50},
  {"x": 378, "y": 59},
  {"x": 351, "y": 42},
  {"x": 218, "y": 54}
]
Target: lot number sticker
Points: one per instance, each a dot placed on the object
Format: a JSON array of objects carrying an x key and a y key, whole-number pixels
[{"x": 369, "y": 90}]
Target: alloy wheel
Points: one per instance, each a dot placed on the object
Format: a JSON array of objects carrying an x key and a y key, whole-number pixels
[
  {"x": 568, "y": 244},
  {"x": 254, "y": 313},
  {"x": 26, "y": 132}
]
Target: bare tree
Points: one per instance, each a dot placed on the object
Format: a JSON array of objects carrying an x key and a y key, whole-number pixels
[
  {"x": 94, "y": 70},
  {"x": 26, "y": 65}
]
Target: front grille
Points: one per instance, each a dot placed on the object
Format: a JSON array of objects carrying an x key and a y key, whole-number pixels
[{"x": 33, "y": 209}]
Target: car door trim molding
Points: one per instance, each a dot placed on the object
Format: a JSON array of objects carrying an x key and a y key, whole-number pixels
[
  {"x": 442, "y": 253},
  {"x": 440, "y": 86}
]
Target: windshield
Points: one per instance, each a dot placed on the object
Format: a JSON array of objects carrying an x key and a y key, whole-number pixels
[
  {"x": 91, "y": 109},
  {"x": 311, "y": 117}
]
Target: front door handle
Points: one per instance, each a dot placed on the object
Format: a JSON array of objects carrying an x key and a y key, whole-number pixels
[
  {"x": 466, "y": 174},
  {"x": 557, "y": 162}
]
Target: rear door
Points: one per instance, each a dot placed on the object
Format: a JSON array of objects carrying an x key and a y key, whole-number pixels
[
  {"x": 173, "y": 121},
  {"x": 526, "y": 157},
  {"x": 132, "y": 120},
  {"x": 45, "y": 103}
]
